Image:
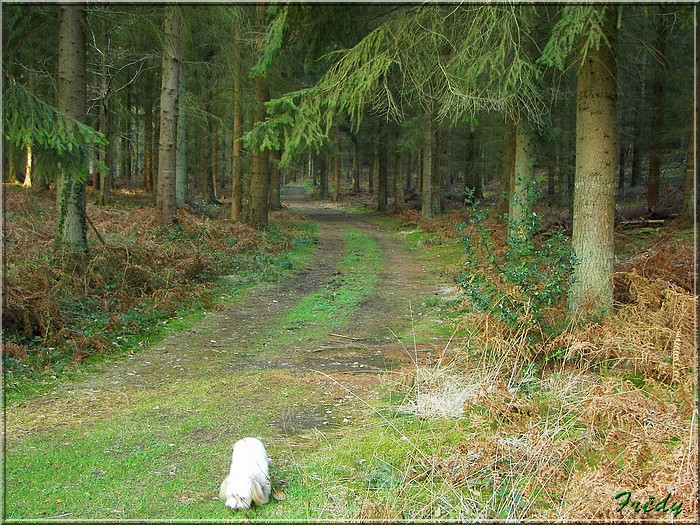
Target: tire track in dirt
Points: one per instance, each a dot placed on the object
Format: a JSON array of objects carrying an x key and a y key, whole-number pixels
[{"x": 234, "y": 339}]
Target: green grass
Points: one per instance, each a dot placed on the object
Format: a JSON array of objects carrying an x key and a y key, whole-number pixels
[{"x": 162, "y": 453}]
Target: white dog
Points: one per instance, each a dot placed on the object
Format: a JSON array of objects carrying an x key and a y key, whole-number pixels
[{"x": 248, "y": 480}]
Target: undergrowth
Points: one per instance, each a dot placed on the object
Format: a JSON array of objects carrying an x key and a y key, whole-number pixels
[
  {"x": 521, "y": 281},
  {"x": 142, "y": 276},
  {"x": 597, "y": 422}
]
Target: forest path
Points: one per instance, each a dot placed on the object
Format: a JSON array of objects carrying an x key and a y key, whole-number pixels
[{"x": 245, "y": 369}]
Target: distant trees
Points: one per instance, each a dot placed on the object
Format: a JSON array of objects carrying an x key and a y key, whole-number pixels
[{"x": 408, "y": 100}]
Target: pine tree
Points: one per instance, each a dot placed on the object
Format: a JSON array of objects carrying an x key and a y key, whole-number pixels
[
  {"x": 71, "y": 218},
  {"x": 588, "y": 33}
]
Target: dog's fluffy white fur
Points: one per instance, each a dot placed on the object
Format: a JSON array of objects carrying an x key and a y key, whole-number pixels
[{"x": 248, "y": 480}]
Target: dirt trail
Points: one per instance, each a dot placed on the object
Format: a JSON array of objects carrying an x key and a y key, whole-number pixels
[{"x": 235, "y": 338}]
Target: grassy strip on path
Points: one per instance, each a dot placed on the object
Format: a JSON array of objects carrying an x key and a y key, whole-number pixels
[{"x": 357, "y": 273}]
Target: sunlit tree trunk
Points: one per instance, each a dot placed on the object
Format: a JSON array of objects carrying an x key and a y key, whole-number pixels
[
  {"x": 71, "y": 219},
  {"x": 594, "y": 191},
  {"x": 167, "y": 150},
  {"x": 28, "y": 168}
]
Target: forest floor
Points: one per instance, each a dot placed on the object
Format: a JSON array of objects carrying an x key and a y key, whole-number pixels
[
  {"x": 287, "y": 361},
  {"x": 377, "y": 396}
]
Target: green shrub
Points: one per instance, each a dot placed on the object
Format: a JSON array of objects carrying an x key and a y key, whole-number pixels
[{"x": 522, "y": 285}]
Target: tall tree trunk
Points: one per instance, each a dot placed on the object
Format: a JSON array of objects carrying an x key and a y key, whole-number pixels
[
  {"x": 167, "y": 150},
  {"x": 105, "y": 183},
  {"x": 336, "y": 164},
  {"x": 275, "y": 180},
  {"x": 71, "y": 218},
  {"x": 211, "y": 172},
  {"x": 356, "y": 166},
  {"x": 621, "y": 166},
  {"x": 594, "y": 193},
  {"x": 691, "y": 198},
  {"x": 440, "y": 168},
  {"x": 323, "y": 175},
  {"x": 28, "y": 169},
  {"x": 521, "y": 186},
  {"x": 508, "y": 167},
  {"x": 105, "y": 172},
  {"x": 259, "y": 182},
  {"x": 237, "y": 165},
  {"x": 658, "y": 110},
  {"x": 689, "y": 194},
  {"x": 399, "y": 175},
  {"x": 382, "y": 168},
  {"x": 181, "y": 155},
  {"x": 637, "y": 139},
  {"x": 148, "y": 132},
  {"x": 126, "y": 158},
  {"x": 427, "y": 169}
]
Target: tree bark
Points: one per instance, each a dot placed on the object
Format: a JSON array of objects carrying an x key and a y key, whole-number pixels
[
  {"x": 71, "y": 218},
  {"x": 28, "y": 168},
  {"x": 167, "y": 151},
  {"x": 523, "y": 174},
  {"x": 594, "y": 191},
  {"x": 126, "y": 158},
  {"x": 259, "y": 182}
]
